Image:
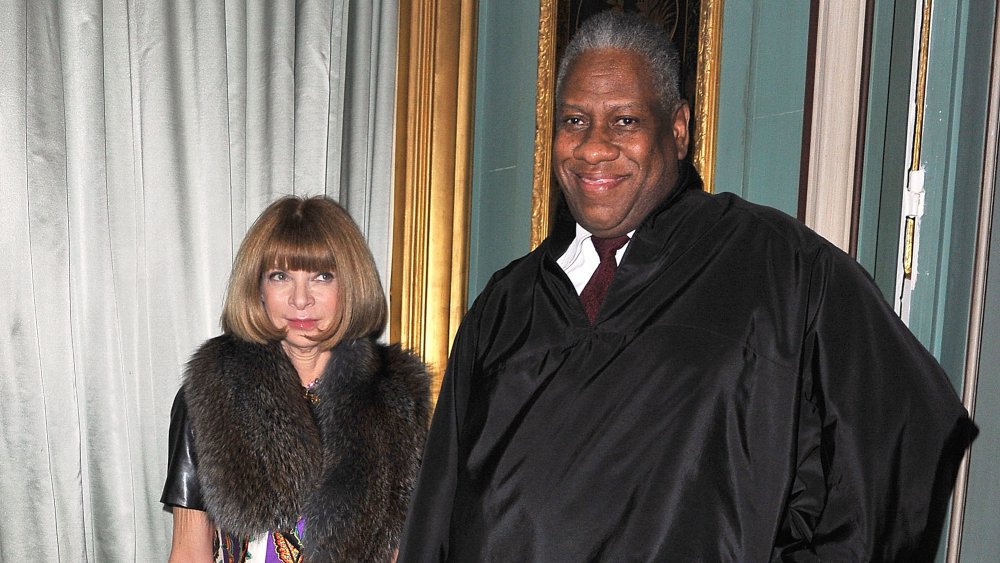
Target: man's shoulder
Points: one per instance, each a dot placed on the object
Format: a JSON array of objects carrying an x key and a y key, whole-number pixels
[
  {"x": 754, "y": 228},
  {"x": 763, "y": 221},
  {"x": 510, "y": 287},
  {"x": 744, "y": 210},
  {"x": 518, "y": 272}
]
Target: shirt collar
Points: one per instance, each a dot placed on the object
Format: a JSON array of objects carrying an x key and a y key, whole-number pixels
[{"x": 575, "y": 247}]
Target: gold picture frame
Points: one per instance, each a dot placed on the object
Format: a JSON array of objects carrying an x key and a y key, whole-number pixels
[
  {"x": 705, "y": 104},
  {"x": 432, "y": 167}
]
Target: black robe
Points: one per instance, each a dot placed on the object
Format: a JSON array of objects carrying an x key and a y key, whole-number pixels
[{"x": 746, "y": 394}]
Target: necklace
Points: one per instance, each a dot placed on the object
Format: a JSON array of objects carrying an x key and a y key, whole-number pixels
[{"x": 309, "y": 392}]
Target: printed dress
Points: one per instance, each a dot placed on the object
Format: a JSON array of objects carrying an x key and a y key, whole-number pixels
[{"x": 268, "y": 547}]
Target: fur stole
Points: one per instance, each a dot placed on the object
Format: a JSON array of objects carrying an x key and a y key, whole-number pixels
[{"x": 348, "y": 464}]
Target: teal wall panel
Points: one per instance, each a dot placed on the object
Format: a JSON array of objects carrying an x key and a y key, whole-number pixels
[
  {"x": 504, "y": 136},
  {"x": 765, "y": 48},
  {"x": 734, "y": 96}
]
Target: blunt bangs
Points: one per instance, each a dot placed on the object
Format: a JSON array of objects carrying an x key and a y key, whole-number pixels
[{"x": 298, "y": 246}]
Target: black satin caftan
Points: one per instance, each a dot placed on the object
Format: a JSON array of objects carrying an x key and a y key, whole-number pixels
[{"x": 745, "y": 394}]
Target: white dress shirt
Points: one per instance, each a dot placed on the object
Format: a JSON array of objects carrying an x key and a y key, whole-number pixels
[{"x": 580, "y": 259}]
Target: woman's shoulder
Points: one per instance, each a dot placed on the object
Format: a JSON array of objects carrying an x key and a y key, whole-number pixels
[
  {"x": 228, "y": 348},
  {"x": 227, "y": 345},
  {"x": 403, "y": 362},
  {"x": 394, "y": 369},
  {"x": 225, "y": 361}
]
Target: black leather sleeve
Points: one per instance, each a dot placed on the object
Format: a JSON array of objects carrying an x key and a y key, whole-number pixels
[{"x": 181, "y": 487}]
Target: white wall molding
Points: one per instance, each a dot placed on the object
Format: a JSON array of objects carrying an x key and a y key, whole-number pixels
[{"x": 835, "y": 102}]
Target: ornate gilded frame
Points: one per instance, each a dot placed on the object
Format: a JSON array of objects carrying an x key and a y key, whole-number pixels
[
  {"x": 706, "y": 106},
  {"x": 433, "y": 155}
]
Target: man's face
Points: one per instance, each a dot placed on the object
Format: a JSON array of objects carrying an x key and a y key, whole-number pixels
[{"x": 615, "y": 151}]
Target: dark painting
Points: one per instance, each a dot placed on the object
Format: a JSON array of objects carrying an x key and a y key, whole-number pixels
[{"x": 678, "y": 17}]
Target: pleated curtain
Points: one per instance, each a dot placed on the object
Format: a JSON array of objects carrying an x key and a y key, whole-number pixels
[{"x": 138, "y": 141}]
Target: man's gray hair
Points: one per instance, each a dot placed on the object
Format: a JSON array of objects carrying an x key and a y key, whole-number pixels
[{"x": 631, "y": 32}]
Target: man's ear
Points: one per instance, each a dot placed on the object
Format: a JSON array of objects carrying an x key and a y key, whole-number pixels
[{"x": 680, "y": 129}]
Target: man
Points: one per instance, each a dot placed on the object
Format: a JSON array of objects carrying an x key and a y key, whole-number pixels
[{"x": 741, "y": 393}]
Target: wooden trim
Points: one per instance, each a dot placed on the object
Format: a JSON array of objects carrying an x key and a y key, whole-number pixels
[
  {"x": 707, "y": 89},
  {"x": 862, "y": 136},
  {"x": 921, "y": 89},
  {"x": 544, "y": 106},
  {"x": 807, "y": 112},
  {"x": 432, "y": 180}
]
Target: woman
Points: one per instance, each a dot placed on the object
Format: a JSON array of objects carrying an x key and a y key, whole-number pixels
[{"x": 295, "y": 434}]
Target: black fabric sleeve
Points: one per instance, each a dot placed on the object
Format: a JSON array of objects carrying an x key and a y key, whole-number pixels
[
  {"x": 881, "y": 431},
  {"x": 426, "y": 536},
  {"x": 181, "y": 487}
]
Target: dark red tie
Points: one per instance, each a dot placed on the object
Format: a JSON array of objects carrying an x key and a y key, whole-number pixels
[{"x": 593, "y": 293}]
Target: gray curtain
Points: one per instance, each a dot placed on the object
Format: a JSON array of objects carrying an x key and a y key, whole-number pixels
[{"x": 138, "y": 140}]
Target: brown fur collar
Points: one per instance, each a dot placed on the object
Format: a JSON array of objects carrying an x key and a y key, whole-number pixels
[{"x": 264, "y": 459}]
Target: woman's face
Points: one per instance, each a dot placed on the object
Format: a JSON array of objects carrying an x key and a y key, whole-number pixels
[{"x": 303, "y": 303}]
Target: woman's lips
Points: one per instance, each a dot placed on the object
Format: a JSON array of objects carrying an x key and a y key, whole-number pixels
[{"x": 302, "y": 324}]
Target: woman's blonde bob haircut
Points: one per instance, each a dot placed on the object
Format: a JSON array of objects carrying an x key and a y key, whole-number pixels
[{"x": 315, "y": 235}]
